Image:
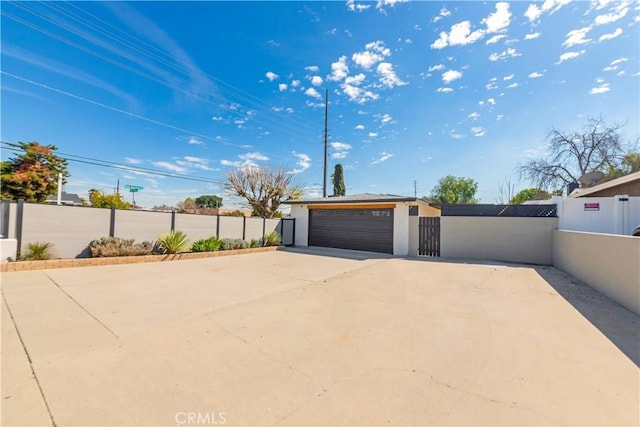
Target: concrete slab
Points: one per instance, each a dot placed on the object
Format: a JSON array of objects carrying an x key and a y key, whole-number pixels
[{"x": 310, "y": 337}]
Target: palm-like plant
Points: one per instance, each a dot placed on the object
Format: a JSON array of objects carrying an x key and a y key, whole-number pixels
[
  {"x": 38, "y": 251},
  {"x": 272, "y": 239},
  {"x": 173, "y": 242}
]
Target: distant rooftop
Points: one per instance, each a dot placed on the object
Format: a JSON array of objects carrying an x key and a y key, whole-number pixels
[
  {"x": 628, "y": 184},
  {"x": 354, "y": 198}
]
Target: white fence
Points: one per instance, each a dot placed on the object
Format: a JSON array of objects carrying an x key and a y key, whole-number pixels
[{"x": 609, "y": 215}]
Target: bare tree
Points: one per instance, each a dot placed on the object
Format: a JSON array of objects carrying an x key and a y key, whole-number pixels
[
  {"x": 506, "y": 191},
  {"x": 263, "y": 188},
  {"x": 572, "y": 154}
]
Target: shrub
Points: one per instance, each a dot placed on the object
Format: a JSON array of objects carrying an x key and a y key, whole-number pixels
[
  {"x": 272, "y": 239},
  {"x": 38, "y": 251},
  {"x": 115, "y": 246},
  {"x": 173, "y": 242},
  {"x": 254, "y": 243},
  {"x": 207, "y": 245},
  {"x": 228, "y": 244}
]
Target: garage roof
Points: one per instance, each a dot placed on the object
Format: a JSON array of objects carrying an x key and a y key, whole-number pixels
[{"x": 357, "y": 198}]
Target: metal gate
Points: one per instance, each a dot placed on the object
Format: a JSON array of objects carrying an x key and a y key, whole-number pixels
[{"x": 429, "y": 241}]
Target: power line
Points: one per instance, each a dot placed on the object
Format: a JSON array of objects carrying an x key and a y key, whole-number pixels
[{"x": 114, "y": 165}]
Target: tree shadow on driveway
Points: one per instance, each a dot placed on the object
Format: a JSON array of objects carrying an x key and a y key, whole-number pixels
[{"x": 620, "y": 325}]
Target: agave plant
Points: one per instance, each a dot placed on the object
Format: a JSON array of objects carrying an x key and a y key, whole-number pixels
[
  {"x": 272, "y": 239},
  {"x": 207, "y": 245},
  {"x": 173, "y": 242},
  {"x": 38, "y": 251}
]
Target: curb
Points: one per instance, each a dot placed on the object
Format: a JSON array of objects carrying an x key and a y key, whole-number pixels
[{"x": 7, "y": 267}]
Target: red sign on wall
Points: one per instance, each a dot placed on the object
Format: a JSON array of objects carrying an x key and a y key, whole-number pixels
[{"x": 592, "y": 206}]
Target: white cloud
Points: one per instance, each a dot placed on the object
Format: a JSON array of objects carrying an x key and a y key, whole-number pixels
[
  {"x": 304, "y": 162},
  {"x": 339, "y": 69},
  {"x": 455, "y": 135},
  {"x": 194, "y": 141},
  {"x": 374, "y": 52},
  {"x": 388, "y": 77},
  {"x": 373, "y": 134},
  {"x": 575, "y": 37},
  {"x": 549, "y": 6},
  {"x": 610, "y": 36},
  {"x": 444, "y": 89},
  {"x": 438, "y": 67},
  {"x": 496, "y": 38},
  {"x": 444, "y": 12},
  {"x": 535, "y": 75},
  {"x": 533, "y": 12},
  {"x": 509, "y": 53},
  {"x": 499, "y": 20},
  {"x": 254, "y": 156},
  {"x": 313, "y": 93},
  {"x": 473, "y": 116},
  {"x": 312, "y": 68},
  {"x": 271, "y": 75},
  {"x": 316, "y": 81},
  {"x": 509, "y": 77},
  {"x": 513, "y": 86},
  {"x": 295, "y": 83},
  {"x": 532, "y": 36},
  {"x": 459, "y": 35},
  {"x": 382, "y": 3},
  {"x": 170, "y": 166},
  {"x": 132, "y": 160},
  {"x": 451, "y": 75},
  {"x": 217, "y": 118},
  {"x": 340, "y": 150},
  {"x": 612, "y": 17},
  {"x": 357, "y": 7},
  {"x": 619, "y": 61},
  {"x": 600, "y": 89},
  {"x": 384, "y": 156},
  {"x": 386, "y": 118},
  {"x": 282, "y": 87},
  {"x": 569, "y": 55},
  {"x": 491, "y": 101},
  {"x": 194, "y": 162},
  {"x": 359, "y": 127},
  {"x": 478, "y": 131}
]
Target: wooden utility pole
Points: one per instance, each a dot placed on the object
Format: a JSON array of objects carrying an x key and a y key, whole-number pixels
[{"x": 326, "y": 140}]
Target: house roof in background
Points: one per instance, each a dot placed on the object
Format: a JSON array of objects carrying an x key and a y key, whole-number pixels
[
  {"x": 618, "y": 182},
  {"x": 65, "y": 197},
  {"x": 357, "y": 198}
]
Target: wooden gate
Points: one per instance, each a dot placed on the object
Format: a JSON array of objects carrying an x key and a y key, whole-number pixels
[{"x": 429, "y": 241}]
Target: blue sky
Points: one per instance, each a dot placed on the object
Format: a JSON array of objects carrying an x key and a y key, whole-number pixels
[{"x": 417, "y": 90}]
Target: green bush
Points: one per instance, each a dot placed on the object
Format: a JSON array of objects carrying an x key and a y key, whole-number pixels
[
  {"x": 254, "y": 243},
  {"x": 38, "y": 251},
  {"x": 173, "y": 242},
  {"x": 228, "y": 244},
  {"x": 115, "y": 246},
  {"x": 271, "y": 239},
  {"x": 207, "y": 245}
]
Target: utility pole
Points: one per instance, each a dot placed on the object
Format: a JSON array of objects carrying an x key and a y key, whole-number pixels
[
  {"x": 326, "y": 138},
  {"x": 415, "y": 188}
]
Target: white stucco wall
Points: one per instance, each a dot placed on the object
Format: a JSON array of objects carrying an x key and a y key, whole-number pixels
[
  {"x": 612, "y": 215},
  {"x": 401, "y": 230},
  {"x": 301, "y": 214}
]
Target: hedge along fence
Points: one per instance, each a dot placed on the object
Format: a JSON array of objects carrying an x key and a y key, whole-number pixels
[{"x": 71, "y": 228}]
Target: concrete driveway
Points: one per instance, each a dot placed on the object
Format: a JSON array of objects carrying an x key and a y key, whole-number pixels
[{"x": 314, "y": 337}]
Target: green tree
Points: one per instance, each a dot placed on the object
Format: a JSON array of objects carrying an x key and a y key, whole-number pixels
[
  {"x": 209, "y": 201},
  {"x": 630, "y": 163},
  {"x": 264, "y": 188},
  {"x": 32, "y": 175},
  {"x": 337, "y": 179},
  {"x": 529, "y": 194},
  {"x": 99, "y": 199},
  {"x": 458, "y": 190},
  {"x": 596, "y": 147},
  {"x": 187, "y": 205}
]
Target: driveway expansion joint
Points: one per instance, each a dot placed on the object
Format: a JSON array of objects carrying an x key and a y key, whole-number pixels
[{"x": 26, "y": 352}]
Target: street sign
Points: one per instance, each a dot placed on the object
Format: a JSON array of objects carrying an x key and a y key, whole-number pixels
[{"x": 134, "y": 187}]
